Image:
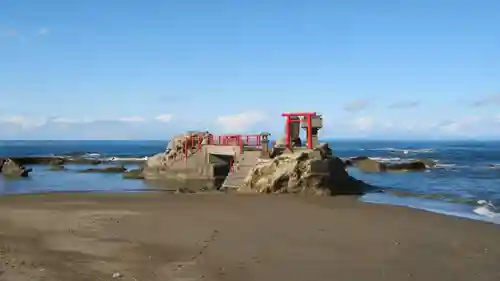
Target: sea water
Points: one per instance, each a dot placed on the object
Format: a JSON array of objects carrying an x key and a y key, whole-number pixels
[{"x": 465, "y": 181}]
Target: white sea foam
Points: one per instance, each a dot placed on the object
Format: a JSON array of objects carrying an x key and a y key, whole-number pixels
[
  {"x": 404, "y": 150},
  {"x": 487, "y": 209},
  {"x": 386, "y": 159},
  {"x": 124, "y": 159},
  {"x": 92, "y": 155},
  {"x": 484, "y": 213},
  {"x": 445, "y": 166}
]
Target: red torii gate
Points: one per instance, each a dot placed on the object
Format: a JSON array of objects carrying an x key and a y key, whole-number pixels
[{"x": 289, "y": 120}]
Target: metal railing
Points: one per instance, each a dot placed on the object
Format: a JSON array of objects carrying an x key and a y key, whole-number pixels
[{"x": 196, "y": 142}]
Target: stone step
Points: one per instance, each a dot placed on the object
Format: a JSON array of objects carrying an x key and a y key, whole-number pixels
[{"x": 237, "y": 177}]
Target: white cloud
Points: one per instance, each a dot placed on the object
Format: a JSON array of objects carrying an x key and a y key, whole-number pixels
[
  {"x": 451, "y": 127},
  {"x": 426, "y": 126},
  {"x": 488, "y": 100},
  {"x": 43, "y": 31},
  {"x": 164, "y": 118},
  {"x": 464, "y": 125},
  {"x": 241, "y": 122},
  {"x": 64, "y": 120},
  {"x": 23, "y": 121},
  {"x": 129, "y": 127},
  {"x": 468, "y": 126},
  {"x": 356, "y": 105},
  {"x": 363, "y": 123},
  {"x": 404, "y": 105},
  {"x": 132, "y": 119}
]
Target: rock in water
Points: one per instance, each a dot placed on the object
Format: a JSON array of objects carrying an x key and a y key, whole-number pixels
[
  {"x": 133, "y": 174},
  {"x": 57, "y": 168},
  {"x": 407, "y": 166},
  {"x": 9, "y": 168},
  {"x": 306, "y": 172},
  {"x": 370, "y": 166},
  {"x": 429, "y": 163},
  {"x": 118, "y": 169}
]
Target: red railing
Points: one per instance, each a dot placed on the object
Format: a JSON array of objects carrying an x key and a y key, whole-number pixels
[{"x": 196, "y": 142}]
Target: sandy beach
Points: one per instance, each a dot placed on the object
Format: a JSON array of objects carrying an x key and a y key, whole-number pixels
[{"x": 155, "y": 236}]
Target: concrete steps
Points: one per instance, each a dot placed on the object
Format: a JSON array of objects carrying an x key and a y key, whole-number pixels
[{"x": 246, "y": 163}]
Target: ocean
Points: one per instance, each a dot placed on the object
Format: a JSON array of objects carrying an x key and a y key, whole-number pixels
[{"x": 464, "y": 183}]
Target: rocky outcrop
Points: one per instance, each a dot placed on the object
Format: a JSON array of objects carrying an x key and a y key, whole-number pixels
[
  {"x": 53, "y": 160},
  {"x": 133, "y": 174},
  {"x": 57, "y": 168},
  {"x": 429, "y": 163},
  {"x": 160, "y": 163},
  {"x": 118, "y": 169},
  {"x": 307, "y": 171},
  {"x": 9, "y": 168},
  {"x": 368, "y": 165},
  {"x": 32, "y": 160},
  {"x": 407, "y": 166}
]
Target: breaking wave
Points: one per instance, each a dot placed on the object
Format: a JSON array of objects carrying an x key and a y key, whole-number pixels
[
  {"x": 404, "y": 150},
  {"x": 124, "y": 159},
  {"x": 487, "y": 209},
  {"x": 386, "y": 159},
  {"x": 104, "y": 158}
]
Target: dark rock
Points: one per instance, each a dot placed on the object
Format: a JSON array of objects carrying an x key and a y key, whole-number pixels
[
  {"x": 428, "y": 162},
  {"x": 57, "y": 168},
  {"x": 119, "y": 169},
  {"x": 54, "y": 160},
  {"x": 79, "y": 160},
  {"x": 133, "y": 174},
  {"x": 57, "y": 162},
  {"x": 353, "y": 160},
  {"x": 325, "y": 150},
  {"x": 348, "y": 162},
  {"x": 408, "y": 166},
  {"x": 36, "y": 160},
  {"x": 358, "y": 158},
  {"x": 370, "y": 166},
  {"x": 9, "y": 168},
  {"x": 75, "y": 153}
]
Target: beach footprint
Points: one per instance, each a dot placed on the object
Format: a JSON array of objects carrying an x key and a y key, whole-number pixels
[{"x": 181, "y": 271}]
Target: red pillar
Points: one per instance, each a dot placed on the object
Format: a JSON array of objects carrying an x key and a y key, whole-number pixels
[
  {"x": 287, "y": 131},
  {"x": 309, "y": 131}
]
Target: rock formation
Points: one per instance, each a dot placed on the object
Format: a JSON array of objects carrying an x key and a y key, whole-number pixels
[
  {"x": 368, "y": 165},
  {"x": 52, "y": 160},
  {"x": 160, "y": 162},
  {"x": 57, "y": 168},
  {"x": 117, "y": 169},
  {"x": 133, "y": 174},
  {"x": 315, "y": 172},
  {"x": 9, "y": 168}
]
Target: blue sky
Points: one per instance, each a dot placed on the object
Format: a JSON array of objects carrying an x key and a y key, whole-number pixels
[{"x": 123, "y": 69}]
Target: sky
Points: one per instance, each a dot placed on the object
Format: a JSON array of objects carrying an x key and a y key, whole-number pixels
[{"x": 127, "y": 69}]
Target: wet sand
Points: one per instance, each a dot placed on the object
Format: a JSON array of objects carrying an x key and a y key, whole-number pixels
[{"x": 156, "y": 236}]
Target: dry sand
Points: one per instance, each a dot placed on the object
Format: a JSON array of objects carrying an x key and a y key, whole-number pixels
[{"x": 236, "y": 238}]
